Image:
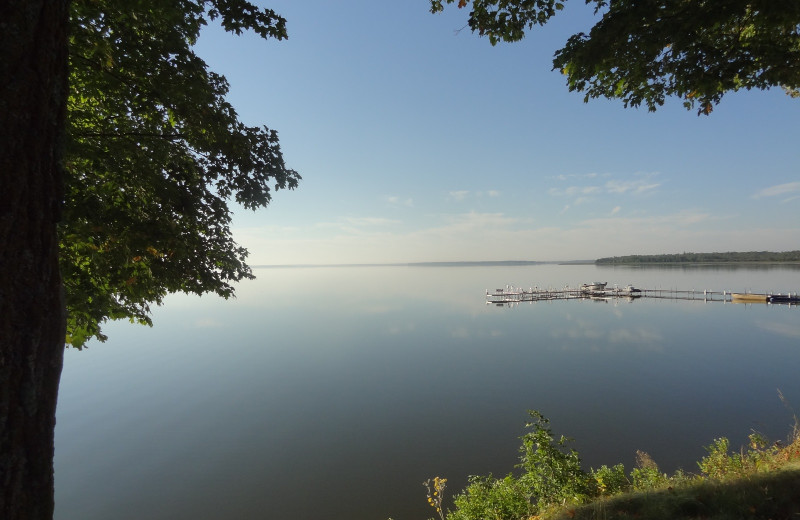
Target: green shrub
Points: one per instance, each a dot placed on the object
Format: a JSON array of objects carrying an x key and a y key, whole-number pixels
[
  {"x": 648, "y": 479},
  {"x": 552, "y": 471},
  {"x": 610, "y": 481},
  {"x": 552, "y": 475},
  {"x": 646, "y": 476},
  {"x": 720, "y": 465},
  {"x": 487, "y": 498}
]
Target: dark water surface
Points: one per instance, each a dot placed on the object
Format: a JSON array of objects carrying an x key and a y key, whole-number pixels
[{"x": 335, "y": 392}]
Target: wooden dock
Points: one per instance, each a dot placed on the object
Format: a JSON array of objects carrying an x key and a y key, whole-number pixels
[{"x": 510, "y": 294}]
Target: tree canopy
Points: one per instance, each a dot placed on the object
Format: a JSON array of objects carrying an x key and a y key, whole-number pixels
[
  {"x": 642, "y": 52},
  {"x": 154, "y": 155},
  {"x": 692, "y": 258}
]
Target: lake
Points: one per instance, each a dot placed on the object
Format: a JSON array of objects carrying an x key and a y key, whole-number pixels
[{"x": 334, "y": 392}]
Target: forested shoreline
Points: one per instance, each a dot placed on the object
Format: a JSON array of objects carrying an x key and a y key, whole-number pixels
[{"x": 695, "y": 258}]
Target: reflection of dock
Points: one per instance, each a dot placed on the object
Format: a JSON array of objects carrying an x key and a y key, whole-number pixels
[
  {"x": 674, "y": 294},
  {"x": 511, "y": 294}
]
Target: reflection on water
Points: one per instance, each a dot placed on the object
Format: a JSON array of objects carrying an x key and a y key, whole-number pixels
[{"x": 334, "y": 392}]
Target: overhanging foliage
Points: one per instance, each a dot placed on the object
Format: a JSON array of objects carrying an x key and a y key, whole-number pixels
[
  {"x": 642, "y": 52},
  {"x": 154, "y": 155}
]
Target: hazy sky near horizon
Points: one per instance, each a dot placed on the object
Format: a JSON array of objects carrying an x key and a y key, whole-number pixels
[{"x": 419, "y": 142}]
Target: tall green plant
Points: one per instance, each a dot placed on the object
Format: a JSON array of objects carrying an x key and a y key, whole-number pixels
[{"x": 552, "y": 470}]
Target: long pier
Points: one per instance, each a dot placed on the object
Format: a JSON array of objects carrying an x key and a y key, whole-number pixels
[{"x": 510, "y": 294}]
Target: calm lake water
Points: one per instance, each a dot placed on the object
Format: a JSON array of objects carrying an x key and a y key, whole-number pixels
[{"x": 335, "y": 392}]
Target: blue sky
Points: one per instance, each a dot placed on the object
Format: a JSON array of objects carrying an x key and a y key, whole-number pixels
[{"x": 418, "y": 142}]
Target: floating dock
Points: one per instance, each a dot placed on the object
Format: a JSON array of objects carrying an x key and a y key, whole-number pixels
[{"x": 596, "y": 291}]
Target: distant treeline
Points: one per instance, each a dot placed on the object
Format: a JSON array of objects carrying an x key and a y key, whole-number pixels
[{"x": 694, "y": 258}]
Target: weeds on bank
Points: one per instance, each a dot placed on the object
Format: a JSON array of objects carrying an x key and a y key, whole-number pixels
[
  {"x": 436, "y": 494},
  {"x": 551, "y": 484}
]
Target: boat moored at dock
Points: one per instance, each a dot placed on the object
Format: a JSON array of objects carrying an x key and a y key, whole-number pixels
[
  {"x": 593, "y": 287},
  {"x": 784, "y": 298},
  {"x": 749, "y": 298}
]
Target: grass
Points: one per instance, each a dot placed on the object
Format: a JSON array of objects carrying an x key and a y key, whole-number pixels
[
  {"x": 770, "y": 495},
  {"x": 762, "y": 482}
]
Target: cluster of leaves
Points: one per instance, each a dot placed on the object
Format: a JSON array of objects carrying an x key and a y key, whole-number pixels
[
  {"x": 501, "y": 20},
  {"x": 154, "y": 154},
  {"x": 642, "y": 52},
  {"x": 750, "y": 256},
  {"x": 552, "y": 477}
]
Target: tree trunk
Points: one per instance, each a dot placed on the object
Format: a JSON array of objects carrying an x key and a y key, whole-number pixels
[{"x": 33, "y": 91}]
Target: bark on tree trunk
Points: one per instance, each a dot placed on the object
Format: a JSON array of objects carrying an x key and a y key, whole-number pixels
[{"x": 33, "y": 91}]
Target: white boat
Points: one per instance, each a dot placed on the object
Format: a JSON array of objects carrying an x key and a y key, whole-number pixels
[{"x": 593, "y": 287}]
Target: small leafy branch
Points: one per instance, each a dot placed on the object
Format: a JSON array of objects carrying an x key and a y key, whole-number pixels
[
  {"x": 796, "y": 426},
  {"x": 436, "y": 493}
]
